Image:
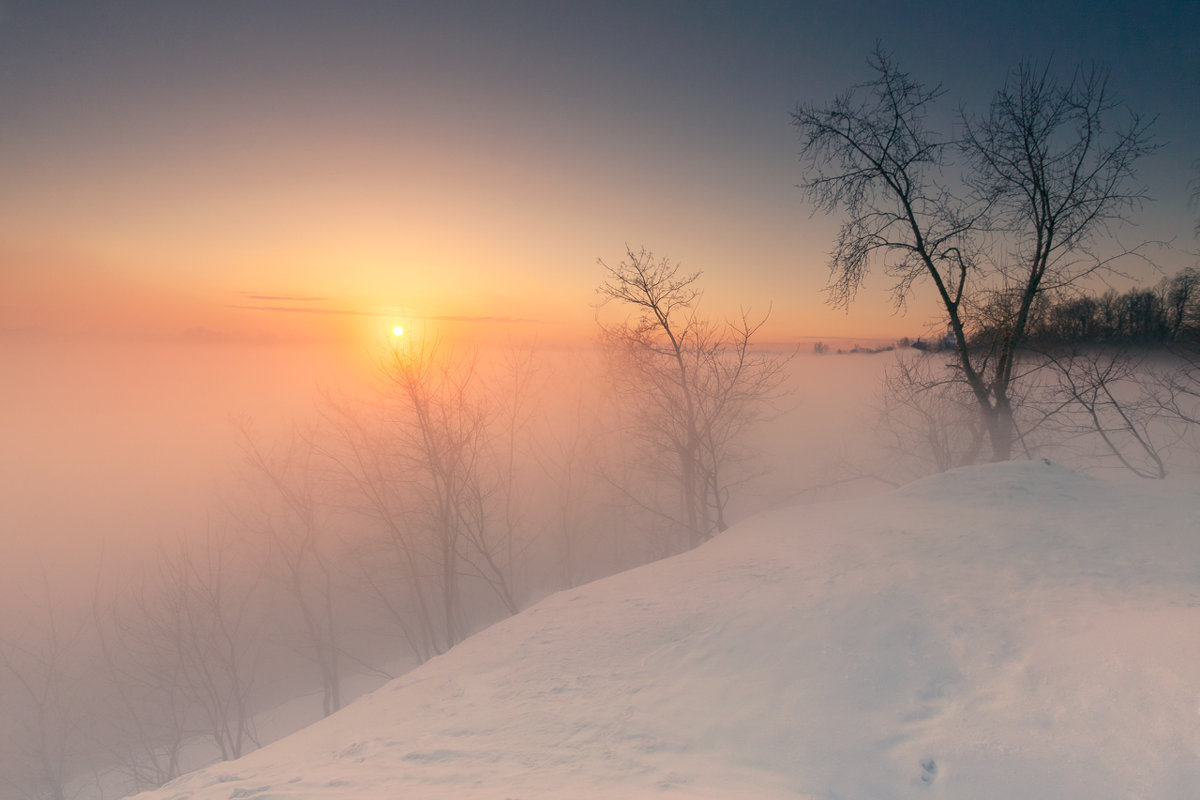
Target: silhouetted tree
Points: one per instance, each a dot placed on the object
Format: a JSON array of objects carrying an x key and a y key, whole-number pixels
[
  {"x": 1181, "y": 303},
  {"x": 1041, "y": 177}
]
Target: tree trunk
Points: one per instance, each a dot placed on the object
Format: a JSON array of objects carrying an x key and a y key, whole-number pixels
[{"x": 1000, "y": 430}]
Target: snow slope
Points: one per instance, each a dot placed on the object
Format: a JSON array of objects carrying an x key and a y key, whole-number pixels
[{"x": 1008, "y": 631}]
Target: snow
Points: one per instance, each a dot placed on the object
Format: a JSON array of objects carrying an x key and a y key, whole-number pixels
[{"x": 1014, "y": 630}]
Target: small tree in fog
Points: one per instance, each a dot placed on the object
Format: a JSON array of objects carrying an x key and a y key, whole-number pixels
[
  {"x": 1176, "y": 392},
  {"x": 152, "y": 716},
  {"x": 445, "y": 439},
  {"x": 1041, "y": 178},
  {"x": 290, "y": 519},
  {"x": 927, "y": 417},
  {"x": 42, "y": 711},
  {"x": 692, "y": 387},
  {"x": 433, "y": 466},
  {"x": 181, "y": 655},
  {"x": 1130, "y": 407},
  {"x": 1108, "y": 396},
  {"x": 396, "y": 564},
  {"x": 568, "y": 454}
]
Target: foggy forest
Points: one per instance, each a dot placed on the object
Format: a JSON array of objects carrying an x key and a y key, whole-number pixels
[{"x": 354, "y": 538}]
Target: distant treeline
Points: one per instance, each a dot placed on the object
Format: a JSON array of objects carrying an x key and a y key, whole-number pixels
[{"x": 1166, "y": 314}]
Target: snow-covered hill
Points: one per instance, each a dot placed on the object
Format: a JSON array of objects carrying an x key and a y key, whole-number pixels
[{"x": 1009, "y": 631}]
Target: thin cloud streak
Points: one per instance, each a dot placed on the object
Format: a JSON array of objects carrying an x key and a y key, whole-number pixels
[
  {"x": 385, "y": 314},
  {"x": 311, "y": 310},
  {"x": 285, "y": 298}
]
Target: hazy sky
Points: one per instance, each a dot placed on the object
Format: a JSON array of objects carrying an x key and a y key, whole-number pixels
[{"x": 304, "y": 170}]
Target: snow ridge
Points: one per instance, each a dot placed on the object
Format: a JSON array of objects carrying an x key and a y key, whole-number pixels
[{"x": 1013, "y": 630}]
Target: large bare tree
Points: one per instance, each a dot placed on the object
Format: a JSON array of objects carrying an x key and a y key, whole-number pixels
[{"x": 1020, "y": 204}]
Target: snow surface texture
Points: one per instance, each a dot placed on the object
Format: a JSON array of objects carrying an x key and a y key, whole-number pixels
[{"x": 1009, "y": 631}]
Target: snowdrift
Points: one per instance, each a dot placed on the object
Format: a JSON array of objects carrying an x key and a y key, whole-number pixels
[{"x": 1009, "y": 631}]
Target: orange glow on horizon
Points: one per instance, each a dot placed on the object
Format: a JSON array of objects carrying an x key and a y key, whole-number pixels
[{"x": 472, "y": 301}]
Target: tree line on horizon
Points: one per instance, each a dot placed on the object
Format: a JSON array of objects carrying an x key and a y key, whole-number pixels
[{"x": 1166, "y": 315}]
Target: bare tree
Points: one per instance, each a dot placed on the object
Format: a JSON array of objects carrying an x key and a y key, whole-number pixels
[
  {"x": 397, "y": 566},
  {"x": 181, "y": 655},
  {"x": 42, "y": 701},
  {"x": 152, "y": 716},
  {"x": 927, "y": 419},
  {"x": 1176, "y": 393},
  {"x": 432, "y": 464},
  {"x": 444, "y": 432},
  {"x": 567, "y": 455},
  {"x": 509, "y": 431},
  {"x": 291, "y": 520},
  {"x": 211, "y": 604},
  {"x": 1180, "y": 297},
  {"x": 1108, "y": 399},
  {"x": 694, "y": 387},
  {"x": 1045, "y": 175}
]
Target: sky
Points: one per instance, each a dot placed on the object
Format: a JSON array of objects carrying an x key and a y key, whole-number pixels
[{"x": 300, "y": 171}]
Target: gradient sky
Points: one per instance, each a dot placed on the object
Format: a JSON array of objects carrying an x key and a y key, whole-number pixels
[{"x": 298, "y": 170}]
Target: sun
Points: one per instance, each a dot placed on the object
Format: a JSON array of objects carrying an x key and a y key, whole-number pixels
[{"x": 398, "y": 331}]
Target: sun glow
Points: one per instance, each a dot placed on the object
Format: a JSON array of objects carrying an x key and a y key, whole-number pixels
[{"x": 398, "y": 331}]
